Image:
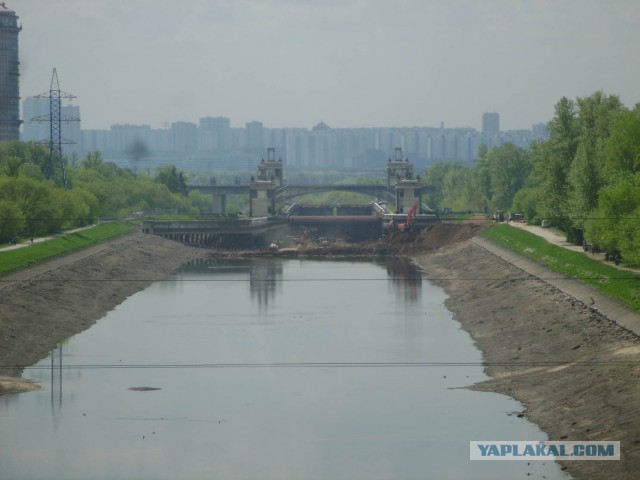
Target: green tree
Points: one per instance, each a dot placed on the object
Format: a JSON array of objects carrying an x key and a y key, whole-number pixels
[
  {"x": 623, "y": 148},
  {"x": 596, "y": 114},
  {"x": 455, "y": 184},
  {"x": 11, "y": 166},
  {"x": 526, "y": 201},
  {"x": 435, "y": 176},
  {"x": 174, "y": 180},
  {"x": 509, "y": 168},
  {"x": 614, "y": 225},
  {"x": 11, "y": 221},
  {"x": 482, "y": 175},
  {"x": 552, "y": 161},
  {"x": 31, "y": 170},
  {"x": 36, "y": 200},
  {"x": 92, "y": 160}
]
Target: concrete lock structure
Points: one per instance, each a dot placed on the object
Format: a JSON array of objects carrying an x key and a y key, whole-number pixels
[
  {"x": 262, "y": 198},
  {"x": 403, "y": 188},
  {"x": 398, "y": 169},
  {"x": 262, "y": 192},
  {"x": 355, "y": 222}
]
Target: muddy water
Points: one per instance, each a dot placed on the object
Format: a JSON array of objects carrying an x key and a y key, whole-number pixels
[{"x": 259, "y": 369}]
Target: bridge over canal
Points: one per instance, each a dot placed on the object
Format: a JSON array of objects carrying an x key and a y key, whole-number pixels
[
  {"x": 268, "y": 189},
  {"x": 352, "y": 222}
]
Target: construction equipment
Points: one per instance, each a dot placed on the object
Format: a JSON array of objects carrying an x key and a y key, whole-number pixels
[
  {"x": 274, "y": 247},
  {"x": 408, "y": 226},
  {"x": 305, "y": 237}
]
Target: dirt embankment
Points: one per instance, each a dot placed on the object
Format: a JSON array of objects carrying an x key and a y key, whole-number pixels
[
  {"x": 426, "y": 240},
  {"x": 47, "y": 303},
  {"x": 576, "y": 372}
]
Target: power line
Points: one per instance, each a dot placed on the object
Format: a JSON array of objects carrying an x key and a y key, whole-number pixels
[
  {"x": 184, "y": 366},
  {"x": 296, "y": 280}
]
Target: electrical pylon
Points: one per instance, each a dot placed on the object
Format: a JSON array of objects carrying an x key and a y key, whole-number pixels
[{"x": 55, "y": 119}]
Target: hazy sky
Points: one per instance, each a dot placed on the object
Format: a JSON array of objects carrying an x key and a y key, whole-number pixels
[{"x": 351, "y": 63}]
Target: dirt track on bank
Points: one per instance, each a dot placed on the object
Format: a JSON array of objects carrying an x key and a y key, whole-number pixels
[{"x": 588, "y": 391}]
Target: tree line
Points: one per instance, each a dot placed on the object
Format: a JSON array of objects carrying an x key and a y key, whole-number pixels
[
  {"x": 32, "y": 204},
  {"x": 584, "y": 179}
]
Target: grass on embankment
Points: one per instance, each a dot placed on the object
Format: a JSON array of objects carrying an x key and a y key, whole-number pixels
[
  {"x": 38, "y": 252},
  {"x": 616, "y": 283}
]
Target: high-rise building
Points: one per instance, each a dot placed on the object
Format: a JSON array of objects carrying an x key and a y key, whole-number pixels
[
  {"x": 214, "y": 134},
  {"x": 9, "y": 75},
  {"x": 184, "y": 137},
  {"x": 39, "y": 130},
  {"x": 255, "y": 135},
  {"x": 491, "y": 122}
]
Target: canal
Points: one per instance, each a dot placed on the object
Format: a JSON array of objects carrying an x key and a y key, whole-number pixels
[{"x": 266, "y": 369}]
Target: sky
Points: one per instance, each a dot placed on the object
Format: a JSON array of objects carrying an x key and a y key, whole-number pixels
[{"x": 349, "y": 63}]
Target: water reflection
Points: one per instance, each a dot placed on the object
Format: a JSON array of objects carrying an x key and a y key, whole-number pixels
[
  {"x": 56, "y": 385},
  {"x": 406, "y": 278},
  {"x": 265, "y": 280},
  {"x": 264, "y": 275}
]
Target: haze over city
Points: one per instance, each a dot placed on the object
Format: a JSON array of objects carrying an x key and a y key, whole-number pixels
[{"x": 356, "y": 63}]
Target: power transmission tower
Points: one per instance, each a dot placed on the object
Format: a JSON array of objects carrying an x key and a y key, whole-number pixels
[{"x": 55, "y": 119}]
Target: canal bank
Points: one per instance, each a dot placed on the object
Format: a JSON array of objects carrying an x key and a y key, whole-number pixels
[
  {"x": 575, "y": 371},
  {"x": 51, "y": 301}
]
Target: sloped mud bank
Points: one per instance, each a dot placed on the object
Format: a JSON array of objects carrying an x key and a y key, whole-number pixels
[
  {"x": 47, "y": 303},
  {"x": 576, "y": 372}
]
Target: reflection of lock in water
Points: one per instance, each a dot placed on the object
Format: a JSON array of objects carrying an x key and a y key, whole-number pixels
[
  {"x": 406, "y": 277},
  {"x": 56, "y": 384}
]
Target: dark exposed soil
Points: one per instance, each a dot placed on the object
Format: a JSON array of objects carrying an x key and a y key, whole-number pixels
[{"x": 425, "y": 240}]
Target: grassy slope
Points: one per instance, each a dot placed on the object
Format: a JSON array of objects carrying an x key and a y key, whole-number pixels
[
  {"x": 620, "y": 284},
  {"x": 23, "y": 257}
]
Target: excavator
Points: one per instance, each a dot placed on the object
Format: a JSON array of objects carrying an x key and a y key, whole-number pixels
[
  {"x": 305, "y": 237},
  {"x": 406, "y": 227}
]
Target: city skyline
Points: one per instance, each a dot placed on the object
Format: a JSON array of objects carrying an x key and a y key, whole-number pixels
[
  {"x": 356, "y": 63},
  {"x": 214, "y": 143}
]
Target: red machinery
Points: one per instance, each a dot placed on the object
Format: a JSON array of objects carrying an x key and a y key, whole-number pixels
[{"x": 405, "y": 227}]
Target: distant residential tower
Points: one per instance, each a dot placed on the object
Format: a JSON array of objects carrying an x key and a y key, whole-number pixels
[
  {"x": 491, "y": 123},
  {"x": 9, "y": 75}
]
